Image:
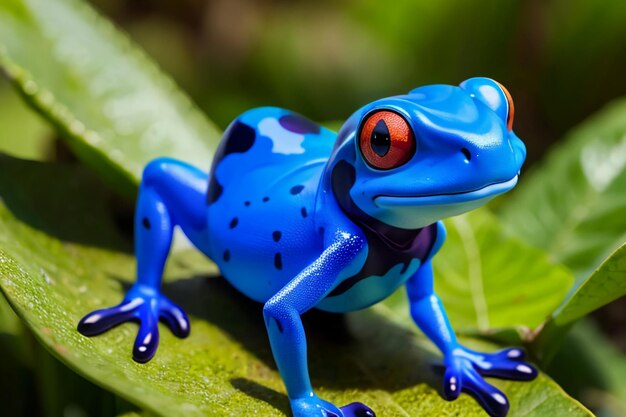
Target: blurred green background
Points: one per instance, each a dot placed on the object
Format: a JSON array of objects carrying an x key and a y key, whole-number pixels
[{"x": 561, "y": 60}]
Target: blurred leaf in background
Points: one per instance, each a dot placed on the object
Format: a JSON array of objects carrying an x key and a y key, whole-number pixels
[
  {"x": 573, "y": 204},
  {"x": 63, "y": 56},
  {"x": 22, "y": 133}
]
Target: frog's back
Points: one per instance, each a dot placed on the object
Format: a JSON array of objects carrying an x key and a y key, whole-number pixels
[{"x": 261, "y": 198}]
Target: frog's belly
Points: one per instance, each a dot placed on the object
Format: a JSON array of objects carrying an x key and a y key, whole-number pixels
[
  {"x": 261, "y": 246},
  {"x": 369, "y": 291}
]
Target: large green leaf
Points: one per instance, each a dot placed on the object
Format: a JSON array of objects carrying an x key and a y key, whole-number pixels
[
  {"x": 15, "y": 365},
  {"x": 489, "y": 280},
  {"x": 22, "y": 132},
  {"x": 607, "y": 283},
  {"x": 573, "y": 204},
  {"x": 600, "y": 371},
  {"x": 115, "y": 107},
  {"x": 52, "y": 272}
]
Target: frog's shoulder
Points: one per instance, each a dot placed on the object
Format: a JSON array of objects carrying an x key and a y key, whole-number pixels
[{"x": 267, "y": 141}]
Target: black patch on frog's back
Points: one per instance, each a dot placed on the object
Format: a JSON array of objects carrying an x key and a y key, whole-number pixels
[
  {"x": 298, "y": 124},
  {"x": 215, "y": 190},
  {"x": 238, "y": 138},
  {"x": 296, "y": 189},
  {"x": 388, "y": 245},
  {"x": 278, "y": 261}
]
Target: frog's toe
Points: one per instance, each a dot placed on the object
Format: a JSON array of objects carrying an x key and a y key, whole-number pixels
[
  {"x": 511, "y": 353},
  {"x": 147, "y": 339},
  {"x": 507, "y": 364},
  {"x": 100, "y": 321},
  {"x": 357, "y": 410},
  {"x": 464, "y": 374},
  {"x": 514, "y": 370},
  {"x": 175, "y": 317},
  {"x": 493, "y": 401}
]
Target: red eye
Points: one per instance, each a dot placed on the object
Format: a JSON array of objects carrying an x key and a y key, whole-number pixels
[
  {"x": 511, "y": 113},
  {"x": 386, "y": 140}
]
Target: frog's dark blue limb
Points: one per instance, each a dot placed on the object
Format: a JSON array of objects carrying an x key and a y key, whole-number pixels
[
  {"x": 100, "y": 321},
  {"x": 145, "y": 307},
  {"x": 465, "y": 369},
  {"x": 282, "y": 318},
  {"x": 505, "y": 364},
  {"x": 174, "y": 316},
  {"x": 171, "y": 193},
  {"x": 357, "y": 410},
  {"x": 461, "y": 376}
]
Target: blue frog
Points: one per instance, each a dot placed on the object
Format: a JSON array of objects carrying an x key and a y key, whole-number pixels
[{"x": 299, "y": 217}]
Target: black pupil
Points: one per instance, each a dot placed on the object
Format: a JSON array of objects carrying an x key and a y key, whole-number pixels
[{"x": 380, "y": 140}]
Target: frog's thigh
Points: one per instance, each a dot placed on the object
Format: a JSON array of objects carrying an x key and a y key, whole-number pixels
[{"x": 183, "y": 189}]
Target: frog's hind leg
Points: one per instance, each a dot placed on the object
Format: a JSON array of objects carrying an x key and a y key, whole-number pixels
[{"x": 171, "y": 193}]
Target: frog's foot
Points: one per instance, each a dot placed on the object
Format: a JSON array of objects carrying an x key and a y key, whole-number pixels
[
  {"x": 357, "y": 410},
  {"x": 315, "y": 407},
  {"x": 465, "y": 370},
  {"x": 145, "y": 306}
]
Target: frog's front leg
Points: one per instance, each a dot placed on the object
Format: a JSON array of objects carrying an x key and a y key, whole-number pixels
[
  {"x": 284, "y": 326},
  {"x": 171, "y": 193},
  {"x": 465, "y": 368}
]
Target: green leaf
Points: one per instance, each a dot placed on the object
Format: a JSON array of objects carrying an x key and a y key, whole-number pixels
[
  {"x": 600, "y": 369},
  {"x": 606, "y": 284},
  {"x": 573, "y": 204},
  {"x": 225, "y": 367},
  {"x": 9, "y": 323},
  {"x": 112, "y": 104},
  {"x": 16, "y": 364},
  {"x": 22, "y": 132},
  {"x": 489, "y": 280},
  {"x": 60, "y": 391}
]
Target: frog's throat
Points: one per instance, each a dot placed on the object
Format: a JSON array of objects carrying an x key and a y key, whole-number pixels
[
  {"x": 389, "y": 245},
  {"x": 343, "y": 178}
]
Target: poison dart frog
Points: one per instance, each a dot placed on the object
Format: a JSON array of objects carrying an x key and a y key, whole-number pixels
[{"x": 299, "y": 217}]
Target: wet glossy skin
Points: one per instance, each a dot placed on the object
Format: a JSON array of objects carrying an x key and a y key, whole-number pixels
[{"x": 298, "y": 217}]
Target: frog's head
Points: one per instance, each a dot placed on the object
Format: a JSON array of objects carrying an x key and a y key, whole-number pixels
[{"x": 436, "y": 152}]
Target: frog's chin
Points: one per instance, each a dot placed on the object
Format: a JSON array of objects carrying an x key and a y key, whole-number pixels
[
  {"x": 419, "y": 211},
  {"x": 487, "y": 192}
]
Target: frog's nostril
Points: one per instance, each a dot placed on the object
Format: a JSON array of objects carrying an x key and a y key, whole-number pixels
[{"x": 467, "y": 154}]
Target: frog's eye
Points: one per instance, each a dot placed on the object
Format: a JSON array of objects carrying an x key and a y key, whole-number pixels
[
  {"x": 511, "y": 109},
  {"x": 386, "y": 140}
]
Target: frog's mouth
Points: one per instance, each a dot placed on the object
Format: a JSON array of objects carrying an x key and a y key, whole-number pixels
[{"x": 488, "y": 191}]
